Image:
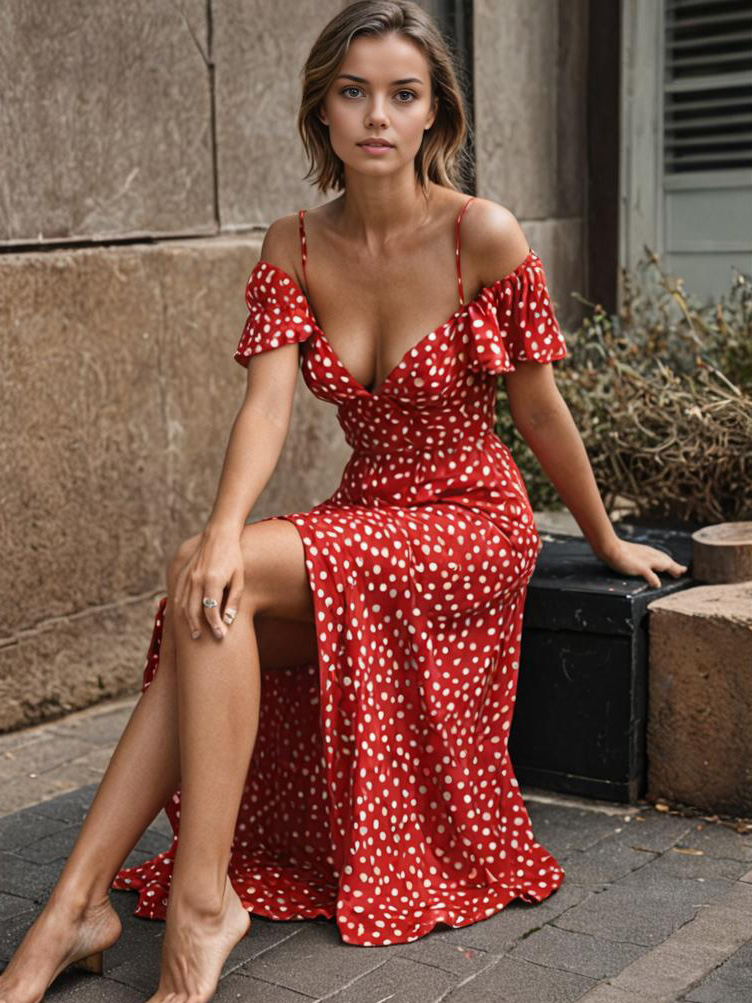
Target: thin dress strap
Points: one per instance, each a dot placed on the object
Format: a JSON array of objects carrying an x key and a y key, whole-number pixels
[
  {"x": 459, "y": 269},
  {"x": 303, "y": 252}
]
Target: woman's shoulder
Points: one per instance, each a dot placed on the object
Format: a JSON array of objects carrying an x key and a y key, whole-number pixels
[
  {"x": 281, "y": 245},
  {"x": 493, "y": 243}
]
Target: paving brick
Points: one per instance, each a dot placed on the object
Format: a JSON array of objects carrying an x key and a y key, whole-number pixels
[
  {"x": 718, "y": 840},
  {"x": 456, "y": 958},
  {"x": 102, "y": 728},
  {"x": 498, "y": 933},
  {"x": 654, "y": 830},
  {"x": 516, "y": 981},
  {"x": 236, "y": 987},
  {"x": 13, "y": 929},
  {"x": 70, "y": 806},
  {"x": 666, "y": 972},
  {"x": 398, "y": 980},
  {"x": 87, "y": 987},
  {"x": 641, "y": 914},
  {"x": 719, "y": 994},
  {"x": 13, "y": 905},
  {"x": 12, "y": 741},
  {"x": 604, "y": 863},
  {"x": 685, "y": 865},
  {"x": 31, "y": 881},
  {"x": 739, "y": 896},
  {"x": 24, "y": 792},
  {"x": 656, "y": 881},
  {"x": 606, "y": 993},
  {"x": 42, "y": 757},
  {"x": 57, "y": 846},
  {"x": 576, "y": 952},
  {"x": 316, "y": 961},
  {"x": 715, "y": 926},
  {"x": 24, "y": 828},
  {"x": 562, "y": 830},
  {"x": 565, "y": 897}
]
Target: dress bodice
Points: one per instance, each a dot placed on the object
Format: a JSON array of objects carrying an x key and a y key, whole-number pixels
[{"x": 444, "y": 387}]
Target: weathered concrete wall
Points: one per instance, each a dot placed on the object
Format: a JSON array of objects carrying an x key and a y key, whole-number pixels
[
  {"x": 105, "y": 120},
  {"x": 530, "y": 80},
  {"x": 118, "y": 393}
]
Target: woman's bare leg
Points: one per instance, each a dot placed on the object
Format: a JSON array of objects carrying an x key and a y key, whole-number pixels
[
  {"x": 218, "y": 704},
  {"x": 144, "y": 769}
]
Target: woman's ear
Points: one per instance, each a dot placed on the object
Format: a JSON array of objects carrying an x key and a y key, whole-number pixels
[
  {"x": 434, "y": 113},
  {"x": 322, "y": 115}
]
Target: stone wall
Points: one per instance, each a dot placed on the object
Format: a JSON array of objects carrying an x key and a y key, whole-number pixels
[
  {"x": 530, "y": 124},
  {"x": 145, "y": 148}
]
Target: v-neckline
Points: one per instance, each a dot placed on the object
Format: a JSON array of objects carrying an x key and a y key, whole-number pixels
[{"x": 374, "y": 394}]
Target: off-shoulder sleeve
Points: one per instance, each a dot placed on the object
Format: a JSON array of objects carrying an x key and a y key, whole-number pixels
[
  {"x": 278, "y": 312},
  {"x": 513, "y": 320}
]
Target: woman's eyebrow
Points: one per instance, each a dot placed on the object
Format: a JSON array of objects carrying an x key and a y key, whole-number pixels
[{"x": 362, "y": 80}]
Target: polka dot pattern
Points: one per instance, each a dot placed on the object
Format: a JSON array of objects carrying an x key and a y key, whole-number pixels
[{"x": 380, "y": 792}]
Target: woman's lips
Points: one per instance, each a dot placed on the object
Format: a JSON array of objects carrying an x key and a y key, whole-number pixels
[{"x": 374, "y": 148}]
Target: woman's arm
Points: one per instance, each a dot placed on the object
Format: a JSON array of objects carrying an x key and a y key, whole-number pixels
[
  {"x": 545, "y": 422},
  {"x": 260, "y": 428},
  {"x": 495, "y": 245},
  {"x": 256, "y": 440},
  {"x": 543, "y": 419},
  {"x": 256, "y": 437}
]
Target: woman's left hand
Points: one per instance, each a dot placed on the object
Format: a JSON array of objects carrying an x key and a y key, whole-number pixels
[{"x": 639, "y": 559}]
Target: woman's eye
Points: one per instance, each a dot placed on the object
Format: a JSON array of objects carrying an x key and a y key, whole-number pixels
[{"x": 410, "y": 95}]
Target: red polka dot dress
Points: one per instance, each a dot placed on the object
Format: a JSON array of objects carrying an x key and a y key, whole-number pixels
[{"x": 380, "y": 791}]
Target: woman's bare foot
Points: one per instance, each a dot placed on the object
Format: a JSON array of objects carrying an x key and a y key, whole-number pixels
[
  {"x": 195, "y": 947},
  {"x": 61, "y": 933}
]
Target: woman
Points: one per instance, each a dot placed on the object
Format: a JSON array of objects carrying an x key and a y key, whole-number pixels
[{"x": 387, "y": 619}]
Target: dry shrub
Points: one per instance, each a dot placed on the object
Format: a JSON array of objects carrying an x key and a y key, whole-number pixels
[{"x": 662, "y": 395}]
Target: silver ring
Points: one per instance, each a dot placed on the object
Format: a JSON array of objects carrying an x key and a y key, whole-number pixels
[{"x": 211, "y": 603}]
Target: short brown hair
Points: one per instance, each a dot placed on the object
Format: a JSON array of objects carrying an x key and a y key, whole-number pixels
[{"x": 442, "y": 157}]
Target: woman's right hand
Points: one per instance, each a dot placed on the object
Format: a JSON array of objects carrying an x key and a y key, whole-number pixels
[{"x": 216, "y": 565}]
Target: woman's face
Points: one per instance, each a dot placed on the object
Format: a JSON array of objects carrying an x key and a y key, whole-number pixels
[{"x": 382, "y": 91}]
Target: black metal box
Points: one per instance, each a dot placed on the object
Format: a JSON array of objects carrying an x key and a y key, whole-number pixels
[{"x": 579, "y": 725}]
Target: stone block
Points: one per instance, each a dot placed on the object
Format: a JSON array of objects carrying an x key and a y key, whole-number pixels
[
  {"x": 65, "y": 664},
  {"x": 109, "y": 473},
  {"x": 108, "y": 117},
  {"x": 83, "y": 439},
  {"x": 699, "y": 730},
  {"x": 259, "y": 52},
  {"x": 516, "y": 105}
]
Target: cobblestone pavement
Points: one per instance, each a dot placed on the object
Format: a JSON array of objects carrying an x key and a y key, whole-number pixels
[{"x": 654, "y": 907}]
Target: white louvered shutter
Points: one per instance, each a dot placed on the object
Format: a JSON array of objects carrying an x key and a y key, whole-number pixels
[{"x": 707, "y": 140}]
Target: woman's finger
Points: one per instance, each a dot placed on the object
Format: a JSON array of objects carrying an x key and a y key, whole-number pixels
[
  {"x": 212, "y": 592},
  {"x": 192, "y": 604},
  {"x": 233, "y": 599}
]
